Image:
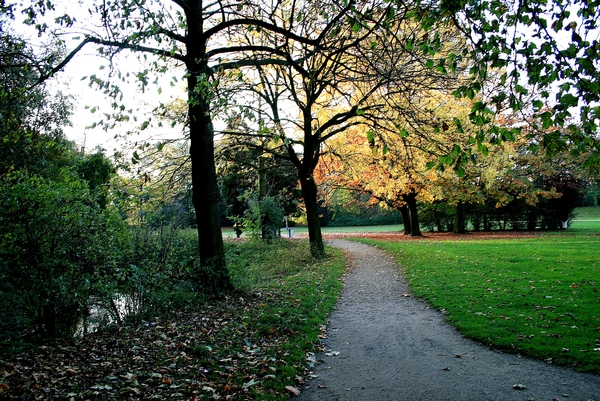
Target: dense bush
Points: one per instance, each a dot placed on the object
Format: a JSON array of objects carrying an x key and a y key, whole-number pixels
[
  {"x": 155, "y": 274},
  {"x": 54, "y": 244},
  {"x": 69, "y": 265},
  {"x": 262, "y": 218},
  {"x": 360, "y": 214}
]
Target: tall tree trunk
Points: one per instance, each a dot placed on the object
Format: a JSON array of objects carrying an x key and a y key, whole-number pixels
[
  {"x": 438, "y": 221},
  {"x": 266, "y": 233},
  {"x": 459, "y": 221},
  {"x": 305, "y": 168},
  {"x": 205, "y": 190},
  {"x": 315, "y": 237},
  {"x": 205, "y": 196},
  {"x": 531, "y": 221},
  {"x": 411, "y": 202},
  {"x": 406, "y": 219}
]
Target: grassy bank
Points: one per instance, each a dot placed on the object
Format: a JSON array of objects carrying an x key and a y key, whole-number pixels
[
  {"x": 248, "y": 345},
  {"x": 535, "y": 296}
]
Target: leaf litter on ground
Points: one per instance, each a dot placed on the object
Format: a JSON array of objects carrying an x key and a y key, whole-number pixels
[
  {"x": 174, "y": 357},
  {"x": 254, "y": 343}
]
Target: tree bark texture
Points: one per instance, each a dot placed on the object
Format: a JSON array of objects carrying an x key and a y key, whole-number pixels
[
  {"x": 205, "y": 190},
  {"x": 459, "y": 222},
  {"x": 411, "y": 201},
  {"x": 315, "y": 237},
  {"x": 406, "y": 219}
]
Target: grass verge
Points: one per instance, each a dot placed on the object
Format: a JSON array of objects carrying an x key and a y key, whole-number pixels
[
  {"x": 535, "y": 296},
  {"x": 299, "y": 293}
]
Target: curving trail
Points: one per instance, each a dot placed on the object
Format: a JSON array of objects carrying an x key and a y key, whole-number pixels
[{"x": 394, "y": 347}]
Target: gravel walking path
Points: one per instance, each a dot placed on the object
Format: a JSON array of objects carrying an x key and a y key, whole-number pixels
[{"x": 386, "y": 345}]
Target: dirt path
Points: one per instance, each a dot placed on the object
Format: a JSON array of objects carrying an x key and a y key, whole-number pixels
[{"x": 394, "y": 347}]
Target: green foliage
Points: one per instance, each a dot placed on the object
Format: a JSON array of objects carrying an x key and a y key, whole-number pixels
[
  {"x": 263, "y": 218},
  {"x": 31, "y": 119},
  {"x": 55, "y": 241},
  {"x": 98, "y": 171},
  {"x": 350, "y": 208},
  {"x": 549, "y": 64},
  {"x": 534, "y": 296},
  {"x": 155, "y": 273},
  {"x": 437, "y": 216},
  {"x": 592, "y": 196},
  {"x": 240, "y": 171}
]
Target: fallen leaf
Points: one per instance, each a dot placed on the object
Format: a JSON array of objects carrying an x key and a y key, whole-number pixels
[
  {"x": 128, "y": 376},
  {"x": 293, "y": 390},
  {"x": 129, "y": 390},
  {"x": 446, "y": 368},
  {"x": 519, "y": 386},
  {"x": 250, "y": 383}
]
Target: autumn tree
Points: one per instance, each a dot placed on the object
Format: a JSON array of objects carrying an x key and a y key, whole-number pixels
[{"x": 319, "y": 94}]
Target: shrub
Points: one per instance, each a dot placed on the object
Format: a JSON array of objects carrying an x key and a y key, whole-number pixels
[
  {"x": 54, "y": 241},
  {"x": 263, "y": 218}
]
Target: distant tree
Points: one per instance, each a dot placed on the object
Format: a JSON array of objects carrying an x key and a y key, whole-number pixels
[
  {"x": 97, "y": 170},
  {"x": 31, "y": 119},
  {"x": 248, "y": 171}
]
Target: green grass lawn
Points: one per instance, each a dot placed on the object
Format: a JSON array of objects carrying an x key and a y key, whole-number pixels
[
  {"x": 587, "y": 218},
  {"x": 229, "y": 233},
  {"x": 535, "y": 296}
]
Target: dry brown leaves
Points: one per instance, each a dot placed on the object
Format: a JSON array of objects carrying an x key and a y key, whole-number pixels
[
  {"x": 203, "y": 354},
  {"x": 437, "y": 236}
]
